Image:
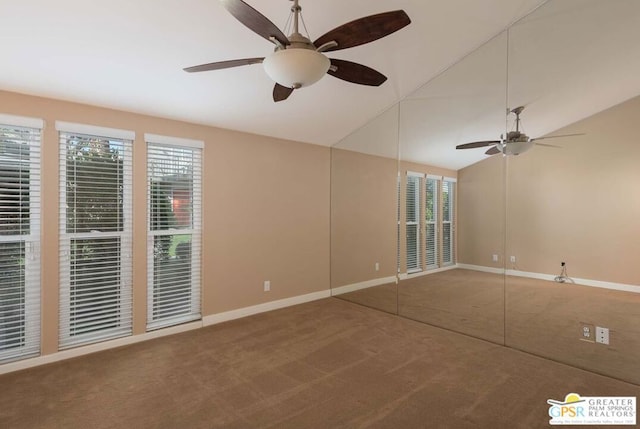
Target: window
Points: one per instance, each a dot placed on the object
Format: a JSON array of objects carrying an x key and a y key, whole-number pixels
[
  {"x": 414, "y": 259},
  {"x": 448, "y": 221},
  {"x": 19, "y": 237},
  {"x": 95, "y": 234},
  {"x": 174, "y": 173},
  {"x": 398, "y": 184},
  {"x": 431, "y": 222}
]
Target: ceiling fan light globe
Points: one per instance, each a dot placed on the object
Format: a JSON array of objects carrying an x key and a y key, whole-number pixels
[
  {"x": 296, "y": 67},
  {"x": 516, "y": 147}
]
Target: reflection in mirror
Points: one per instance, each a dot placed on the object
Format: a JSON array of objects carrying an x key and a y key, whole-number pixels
[
  {"x": 451, "y": 243},
  {"x": 364, "y": 213},
  {"x": 576, "y": 203}
]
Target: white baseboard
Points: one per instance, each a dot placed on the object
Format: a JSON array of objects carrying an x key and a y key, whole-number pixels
[
  {"x": 97, "y": 347},
  {"x": 550, "y": 277},
  {"x": 362, "y": 285},
  {"x": 262, "y": 308},
  {"x": 133, "y": 339}
]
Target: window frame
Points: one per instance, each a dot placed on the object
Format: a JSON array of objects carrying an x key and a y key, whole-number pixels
[
  {"x": 437, "y": 181},
  {"x": 124, "y": 235},
  {"x": 156, "y": 142},
  {"x": 451, "y": 190},
  {"x": 417, "y": 223},
  {"x": 30, "y": 325}
]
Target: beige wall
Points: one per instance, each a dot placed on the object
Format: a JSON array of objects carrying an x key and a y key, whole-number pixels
[
  {"x": 363, "y": 217},
  {"x": 578, "y": 204},
  {"x": 481, "y": 213},
  {"x": 266, "y": 210}
]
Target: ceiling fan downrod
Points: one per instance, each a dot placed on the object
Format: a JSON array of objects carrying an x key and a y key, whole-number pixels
[
  {"x": 296, "y": 39},
  {"x": 517, "y": 112},
  {"x": 517, "y": 135},
  {"x": 296, "y": 9}
]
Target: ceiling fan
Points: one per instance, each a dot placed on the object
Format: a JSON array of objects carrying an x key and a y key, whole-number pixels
[
  {"x": 516, "y": 142},
  {"x": 297, "y": 62}
]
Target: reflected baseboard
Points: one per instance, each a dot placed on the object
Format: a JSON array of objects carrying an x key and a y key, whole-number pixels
[
  {"x": 550, "y": 277},
  {"x": 362, "y": 285},
  {"x": 405, "y": 276},
  {"x": 482, "y": 268},
  {"x": 582, "y": 282}
]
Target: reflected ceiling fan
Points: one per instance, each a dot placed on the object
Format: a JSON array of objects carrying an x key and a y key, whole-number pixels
[
  {"x": 297, "y": 62},
  {"x": 516, "y": 142}
]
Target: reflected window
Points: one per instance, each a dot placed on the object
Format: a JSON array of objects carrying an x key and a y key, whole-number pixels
[
  {"x": 448, "y": 221},
  {"x": 413, "y": 207},
  {"x": 431, "y": 222}
]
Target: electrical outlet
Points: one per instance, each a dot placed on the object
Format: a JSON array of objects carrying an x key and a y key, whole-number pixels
[
  {"x": 513, "y": 259},
  {"x": 377, "y": 266},
  {"x": 267, "y": 285},
  {"x": 587, "y": 332},
  {"x": 495, "y": 258},
  {"x": 602, "y": 335}
]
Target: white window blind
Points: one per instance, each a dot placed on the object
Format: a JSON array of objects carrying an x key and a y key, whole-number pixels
[
  {"x": 398, "y": 184},
  {"x": 431, "y": 222},
  {"x": 174, "y": 174},
  {"x": 414, "y": 261},
  {"x": 95, "y": 234},
  {"x": 19, "y": 240},
  {"x": 448, "y": 221}
]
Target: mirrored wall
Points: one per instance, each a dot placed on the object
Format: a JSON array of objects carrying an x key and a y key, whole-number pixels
[
  {"x": 449, "y": 278},
  {"x": 364, "y": 214},
  {"x": 537, "y": 251},
  {"x": 574, "y": 65}
]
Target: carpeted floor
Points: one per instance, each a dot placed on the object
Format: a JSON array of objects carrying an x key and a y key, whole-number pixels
[
  {"x": 466, "y": 301},
  {"x": 544, "y": 318},
  {"x": 325, "y": 364},
  {"x": 537, "y": 316}
]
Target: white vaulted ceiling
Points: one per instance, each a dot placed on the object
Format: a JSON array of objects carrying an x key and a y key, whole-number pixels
[
  {"x": 567, "y": 60},
  {"x": 129, "y": 55}
]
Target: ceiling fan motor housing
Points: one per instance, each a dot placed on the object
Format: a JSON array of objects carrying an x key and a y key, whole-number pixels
[{"x": 517, "y": 136}]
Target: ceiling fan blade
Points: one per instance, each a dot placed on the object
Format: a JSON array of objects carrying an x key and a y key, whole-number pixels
[
  {"x": 254, "y": 20},
  {"x": 224, "y": 65},
  {"x": 281, "y": 93},
  {"x": 553, "y": 137},
  {"x": 356, "y": 73},
  {"x": 477, "y": 144},
  {"x": 493, "y": 151},
  {"x": 364, "y": 30},
  {"x": 546, "y": 145}
]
